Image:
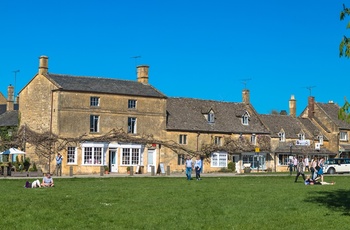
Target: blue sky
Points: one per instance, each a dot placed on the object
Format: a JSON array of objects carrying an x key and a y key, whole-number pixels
[{"x": 198, "y": 49}]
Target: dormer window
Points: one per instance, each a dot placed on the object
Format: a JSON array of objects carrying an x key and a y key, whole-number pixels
[
  {"x": 245, "y": 118},
  {"x": 320, "y": 139},
  {"x": 343, "y": 136},
  {"x": 301, "y": 136},
  {"x": 211, "y": 117},
  {"x": 282, "y": 136}
]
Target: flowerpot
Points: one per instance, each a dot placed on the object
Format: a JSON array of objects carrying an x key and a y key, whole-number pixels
[{"x": 106, "y": 172}]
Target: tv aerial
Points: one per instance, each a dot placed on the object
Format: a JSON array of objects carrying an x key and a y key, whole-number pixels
[
  {"x": 310, "y": 88},
  {"x": 245, "y": 81}
]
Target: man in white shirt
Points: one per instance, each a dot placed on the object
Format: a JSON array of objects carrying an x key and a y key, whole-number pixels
[{"x": 189, "y": 166}]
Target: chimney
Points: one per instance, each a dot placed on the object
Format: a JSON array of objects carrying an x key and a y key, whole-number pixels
[
  {"x": 10, "y": 98},
  {"x": 311, "y": 107},
  {"x": 292, "y": 107},
  {"x": 246, "y": 96},
  {"x": 43, "y": 64},
  {"x": 142, "y": 73}
]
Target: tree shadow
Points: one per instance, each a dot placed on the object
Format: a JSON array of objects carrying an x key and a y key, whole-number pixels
[{"x": 336, "y": 200}]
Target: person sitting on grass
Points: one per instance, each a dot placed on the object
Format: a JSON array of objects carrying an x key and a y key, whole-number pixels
[
  {"x": 310, "y": 181},
  {"x": 47, "y": 181},
  {"x": 34, "y": 184}
]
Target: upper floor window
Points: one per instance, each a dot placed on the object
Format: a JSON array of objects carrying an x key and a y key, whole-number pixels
[
  {"x": 343, "y": 136},
  {"x": 253, "y": 139},
  {"x": 282, "y": 136},
  {"x": 211, "y": 117},
  {"x": 183, "y": 139},
  {"x": 245, "y": 118},
  {"x": 217, "y": 140},
  {"x": 131, "y": 104},
  {"x": 94, "y": 101},
  {"x": 320, "y": 139},
  {"x": 132, "y": 125},
  {"x": 301, "y": 136},
  {"x": 94, "y": 123}
]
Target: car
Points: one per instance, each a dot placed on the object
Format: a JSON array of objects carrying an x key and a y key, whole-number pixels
[{"x": 337, "y": 165}]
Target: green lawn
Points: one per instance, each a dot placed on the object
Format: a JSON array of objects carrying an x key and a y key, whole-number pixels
[{"x": 261, "y": 202}]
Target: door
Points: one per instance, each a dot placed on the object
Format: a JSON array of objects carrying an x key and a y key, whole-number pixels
[
  {"x": 237, "y": 163},
  {"x": 113, "y": 160},
  {"x": 151, "y": 159}
]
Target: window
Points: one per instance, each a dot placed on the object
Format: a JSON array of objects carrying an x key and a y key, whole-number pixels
[
  {"x": 253, "y": 139},
  {"x": 94, "y": 101},
  {"x": 94, "y": 123},
  {"x": 219, "y": 160},
  {"x": 343, "y": 136},
  {"x": 183, "y": 139},
  {"x": 131, "y": 156},
  {"x": 92, "y": 156},
  {"x": 132, "y": 125},
  {"x": 211, "y": 117},
  {"x": 255, "y": 161},
  {"x": 180, "y": 159},
  {"x": 282, "y": 136},
  {"x": 301, "y": 136},
  {"x": 320, "y": 139},
  {"x": 132, "y": 104},
  {"x": 217, "y": 141},
  {"x": 72, "y": 155},
  {"x": 283, "y": 159},
  {"x": 245, "y": 118}
]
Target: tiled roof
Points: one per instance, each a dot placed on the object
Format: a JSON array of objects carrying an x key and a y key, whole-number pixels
[
  {"x": 284, "y": 147},
  {"x": 104, "y": 85},
  {"x": 314, "y": 131},
  {"x": 9, "y": 118},
  {"x": 186, "y": 114},
  {"x": 3, "y": 108},
  {"x": 331, "y": 110},
  {"x": 291, "y": 126}
]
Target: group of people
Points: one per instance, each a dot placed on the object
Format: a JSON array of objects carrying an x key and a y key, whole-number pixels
[
  {"x": 197, "y": 165},
  {"x": 46, "y": 182},
  {"x": 315, "y": 169}
]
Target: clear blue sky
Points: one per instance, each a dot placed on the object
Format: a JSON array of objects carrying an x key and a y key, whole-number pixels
[{"x": 195, "y": 48}]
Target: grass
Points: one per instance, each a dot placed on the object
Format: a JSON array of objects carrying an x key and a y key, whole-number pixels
[{"x": 262, "y": 202}]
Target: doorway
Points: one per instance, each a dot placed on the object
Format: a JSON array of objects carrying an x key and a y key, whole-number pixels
[
  {"x": 113, "y": 160},
  {"x": 151, "y": 159}
]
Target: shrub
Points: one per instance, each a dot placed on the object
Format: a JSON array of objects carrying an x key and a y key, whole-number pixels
[{"x": 231, "y": 166}]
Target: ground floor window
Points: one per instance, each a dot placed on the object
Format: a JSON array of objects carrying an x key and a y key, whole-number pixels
[
  {"x": 72, "y": 155},
  {"x": 219, "y": 160},
  {"x": 92, "y": 156},
  {"x": 255, "y": 161},
  {"x": 283, "y": 159},
  {"x": 180, "y": 159},
  {"x": 131, "y": 156}
]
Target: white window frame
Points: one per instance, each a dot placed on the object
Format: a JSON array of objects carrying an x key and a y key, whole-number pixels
[
  {"x": 218, "y": 160},
  {"x": 71, "y": 155},
  {"x": 95, "y": 149},
  {"x": 132, "y": 125},
  {"x": 181, "y": 159},
  {"x": 183, "y": 139},
  {"x": 132, "y": 104},
  {"x": 131, "y": 156},
  {"x": 343, "y": 136},
  {"x": 218, "y": 140},
  {"x": 301, "y": 136},
  {"x": 94, "y": 101},
  {"x": 253, "y": 139},
  {"x": 211, "y": 117},
  {"x": 94, "y": 123},
  {"x": 245, "y": 118},
  {"x": 320, "y": 139},
  {"x": 282, "y": 136}
]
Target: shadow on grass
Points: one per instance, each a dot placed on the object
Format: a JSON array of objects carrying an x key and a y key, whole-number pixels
[{"x": 336, "y": 200}]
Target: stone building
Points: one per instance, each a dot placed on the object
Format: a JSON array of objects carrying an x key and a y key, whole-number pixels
[
  {"x": 74, "y": 106},
  {"x": 198, "y": 123},
  {"x": 325, "y": 117}
]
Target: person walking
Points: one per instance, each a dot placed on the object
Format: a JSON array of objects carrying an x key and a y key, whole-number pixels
[
  {"x": 313, "y": 168},
  {"x": 290, "y": 166},
  {"x": 189, "y": 166},
  {"x": 295, "y": 163},
  {"x": 320, "y": 169},
  {"x": 300, "y": 170},
  {"x": 306, "y": 161},
  {"x": 198, "y": 167},
  {"x": 59, "y": 165}
]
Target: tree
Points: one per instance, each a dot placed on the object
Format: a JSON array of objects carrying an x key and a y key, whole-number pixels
[{"x": 344, "y": 47}]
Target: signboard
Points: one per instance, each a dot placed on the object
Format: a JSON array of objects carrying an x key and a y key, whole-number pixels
[
  {"x": 162, "y": 168},
  {"x": 303, "y": 142},
  {"x": 257, "y": 149}
]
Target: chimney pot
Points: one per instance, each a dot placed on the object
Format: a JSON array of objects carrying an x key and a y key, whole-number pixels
[
  {"x": 292, "y": 106},
  {"x": 246, "y": 96}
]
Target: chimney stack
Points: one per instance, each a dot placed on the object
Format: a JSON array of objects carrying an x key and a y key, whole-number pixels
[
  {"x": 142, "y": 73},
  {"x": 10, "y": 98},
  {"x": 311, "y": 107},
  {"x": 292, "y": 107},
  {"x": 246, "y": 96},
  {"x": 43, "y": 65}
]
